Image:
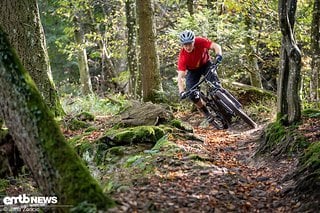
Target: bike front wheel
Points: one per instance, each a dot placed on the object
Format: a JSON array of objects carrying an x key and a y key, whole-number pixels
[
  {"x": 238, "y": 111},
  {"x": 218, "y": 121}
]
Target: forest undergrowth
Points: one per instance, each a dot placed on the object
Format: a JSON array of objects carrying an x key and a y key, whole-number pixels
[
  {"x": 224, "y": 177},
  {"x": 215, "y": 171}
]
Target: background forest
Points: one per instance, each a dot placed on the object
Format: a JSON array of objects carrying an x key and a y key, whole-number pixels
[
  {"x": 92, "y": 60},
  {"x": 248, "y": 33}
]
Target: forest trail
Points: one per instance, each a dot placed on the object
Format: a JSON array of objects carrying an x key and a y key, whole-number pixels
[{"x": 226, "y": 178}]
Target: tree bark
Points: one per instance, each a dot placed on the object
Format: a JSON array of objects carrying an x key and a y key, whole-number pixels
[
  {"x": 132, "y": 46},
  {"x": 149, "y": 62},
  {"x": 289, "y": 104},
  {"x": 255, "y": 77},
  {"x": 54, "y": 164},
  {"x": 315, "y": 48},
  {"x": 82, "y": 58},
  {"x": 190, "y": 7},
  {"x": 20, "y": 19}
]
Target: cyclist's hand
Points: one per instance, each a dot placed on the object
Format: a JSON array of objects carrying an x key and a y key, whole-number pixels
[
  {"x": 218, "y": 59},
  {"x": 183, "y": 95}
]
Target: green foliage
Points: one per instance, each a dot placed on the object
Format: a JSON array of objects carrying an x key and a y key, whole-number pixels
[
  {"x": 311, "y": 113},
  {"x": 84, "y": 207},
  {"x": 3, "y": 186},
  {"x": 280, "y": 140},
  {"x": 75, "y": 124},
  {"x": 94, "y": 104},
  {"x": 311, "y": 157},
  {"x": 163, "y": 143}
]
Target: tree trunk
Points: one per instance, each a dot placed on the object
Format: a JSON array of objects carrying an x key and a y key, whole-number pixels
[
  {"x": 315, "y": 48},
  {"x": 255, "y": 77},
  {"x": 289, "y": 104},
  {"x": 20, "y": 19},
  {"x": 132, "y": 46},
  {"x": 82, "y": 58},
  {"x": 149, "y": 62},
  {"x": 107, "y": 66},
  {"x": 54, "y": 164},
  {"x": 190, "y": 7}
]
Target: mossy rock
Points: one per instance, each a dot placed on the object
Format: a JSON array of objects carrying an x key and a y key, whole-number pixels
[
  {"x": 76, "y": 124},
  {"x": 164, "y": 143},
  {"x": 144, "y": 114},
  {"x": 133, "y": 135},
  {"x": 181, "y": 125},
  {"x": 85, "y": 116}
]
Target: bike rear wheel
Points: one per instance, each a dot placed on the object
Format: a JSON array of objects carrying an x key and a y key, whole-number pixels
[{"x": 238, "y": 111}]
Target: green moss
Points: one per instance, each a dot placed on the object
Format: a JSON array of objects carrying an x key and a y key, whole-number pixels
[
  {"x": 133, "y": 159},
  {"x": 76, "y": 124},
  {"x": 279, "y": 140},
  {"x": 181, "y": 125},
  {"x": 275, "y": 133},
  {"x": 91, "y": 129},
  {"x": 3, "y": 186},
  {"x": 69, "y": 179},
  {"x": 85, "y": 116},
  {"x": 164, "y": 143},
  {"x": 312, "y": 155},
  {"x": 140, "y": 134},
  {"x": 119, "y": 150}
]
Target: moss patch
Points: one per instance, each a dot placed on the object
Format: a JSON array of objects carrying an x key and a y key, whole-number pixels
[
  {"x": 279, "y": 140},
  {"x": 85, "y": 116},
  {"x": 134, "y": 135},
  {"x": 307, "y": 176}
]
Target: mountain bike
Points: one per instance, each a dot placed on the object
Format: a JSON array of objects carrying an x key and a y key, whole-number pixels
[{"x": 221, "y": 104}]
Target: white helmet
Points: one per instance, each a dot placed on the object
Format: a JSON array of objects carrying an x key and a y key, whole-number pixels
[{"x": 187, "y": 36}]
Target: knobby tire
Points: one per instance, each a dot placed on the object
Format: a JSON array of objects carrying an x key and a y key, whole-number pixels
[{"x": 238, "y": 111}]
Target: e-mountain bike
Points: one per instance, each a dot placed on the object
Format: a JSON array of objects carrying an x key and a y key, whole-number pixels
[{"x": 220, "y": 103}]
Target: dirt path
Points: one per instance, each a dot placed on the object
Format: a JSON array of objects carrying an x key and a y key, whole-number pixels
[{"x": 225, "y": 178}]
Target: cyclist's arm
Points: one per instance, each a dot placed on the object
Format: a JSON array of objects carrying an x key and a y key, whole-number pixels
[
  {"x": 181, "y": 82},
  {"x": 216, "y": 47}
]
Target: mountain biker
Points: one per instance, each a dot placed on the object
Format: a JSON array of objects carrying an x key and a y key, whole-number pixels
[{"x": 193, "y": 62}]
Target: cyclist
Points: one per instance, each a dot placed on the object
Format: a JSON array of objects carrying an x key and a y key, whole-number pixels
[{"x": 193, "y": 62}]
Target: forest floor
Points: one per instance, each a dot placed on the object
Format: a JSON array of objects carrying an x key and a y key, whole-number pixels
[
  {"x": 228, "y": 178},
  {"x": 217, "y": 172}
]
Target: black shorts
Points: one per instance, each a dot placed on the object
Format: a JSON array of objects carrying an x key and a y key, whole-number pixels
[{"x": 193, "y": 76}]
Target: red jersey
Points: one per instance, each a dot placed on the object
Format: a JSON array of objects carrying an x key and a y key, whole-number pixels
[{"x": 198, "y": 57}]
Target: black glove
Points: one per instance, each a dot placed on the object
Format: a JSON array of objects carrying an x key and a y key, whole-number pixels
[
  {"x": 183, "y": 95},
  {"x": 218, "y": 59}
]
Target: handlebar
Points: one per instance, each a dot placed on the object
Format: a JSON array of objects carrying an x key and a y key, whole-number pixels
[{"x": 212, "y": 69}]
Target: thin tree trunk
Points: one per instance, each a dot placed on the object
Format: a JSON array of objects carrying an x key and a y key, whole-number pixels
[
  {"x": 190, "y": 7},
  {"x": 20, "y": 19},
  {"x": 149, "y": 62},
  {"x": 255, "y": 77},
  {"x": 82, "y": 58},
  {"x": 132, "y": 46},
  {"x": 315, "y": 48},
  {"x": 289, "y": 81},
  {"x": 54, "y": 164}
]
